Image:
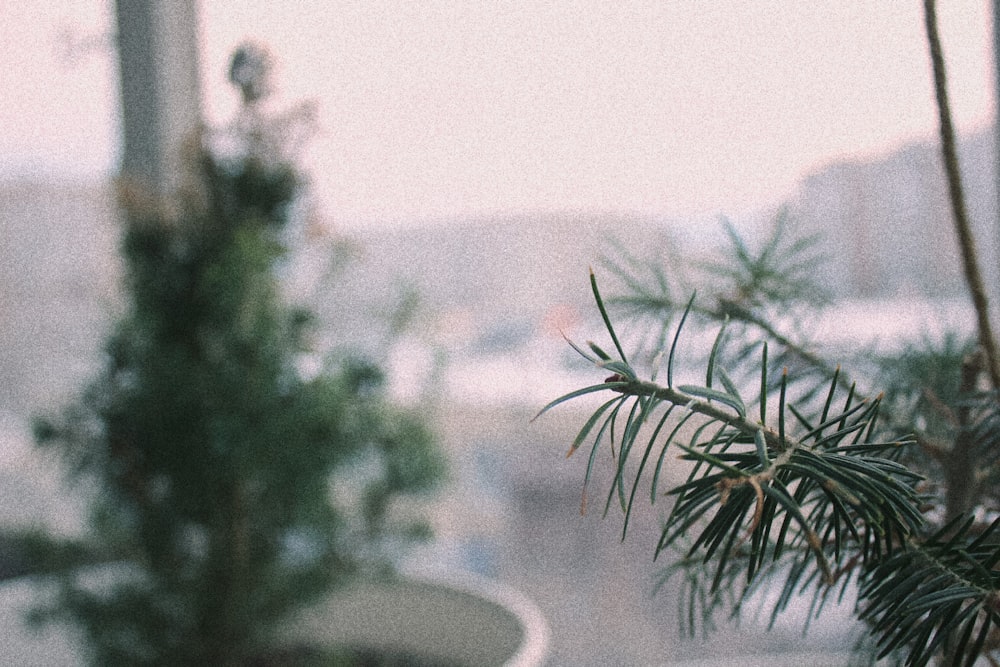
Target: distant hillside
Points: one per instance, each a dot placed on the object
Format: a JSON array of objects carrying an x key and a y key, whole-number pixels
[
  {"x": 885, "y": 224},
  {"x": 496, "y": 281},
  {"x": 502, "y": 273}
]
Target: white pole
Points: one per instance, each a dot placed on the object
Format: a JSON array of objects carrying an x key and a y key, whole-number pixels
[
  {"x": 160, "y": 90},
  {"x": 996, "y": 128}
]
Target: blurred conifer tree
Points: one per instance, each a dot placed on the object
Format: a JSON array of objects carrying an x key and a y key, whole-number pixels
[{"x": 234, "y": 486}]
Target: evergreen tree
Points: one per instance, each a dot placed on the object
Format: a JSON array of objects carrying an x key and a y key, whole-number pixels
[
  {"x": 798, "y": 477},
  {"x": 234, "y": 486}
]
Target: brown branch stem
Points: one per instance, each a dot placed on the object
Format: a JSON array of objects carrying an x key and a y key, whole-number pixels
[{"x": 970, "y": 262}]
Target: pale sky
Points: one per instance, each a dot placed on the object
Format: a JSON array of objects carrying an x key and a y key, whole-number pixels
[{"x": 446, "y": 108}]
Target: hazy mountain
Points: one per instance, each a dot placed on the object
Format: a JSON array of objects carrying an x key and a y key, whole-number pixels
[
  {"x": 492, "y": 282},
  {"x": 500, "y": 277}
]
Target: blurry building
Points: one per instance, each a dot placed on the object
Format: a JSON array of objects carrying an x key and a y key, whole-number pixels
[
  {"x": 58, "y": 287},
  {"x": 886, "y": 224}
]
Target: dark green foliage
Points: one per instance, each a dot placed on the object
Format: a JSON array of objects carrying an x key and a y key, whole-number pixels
[
  {"x": 797, "y": 479},
  {"x": 234, "y": 487},
  {"x": 934, "y": 393},
  {"x": 34, "y": 551},
  {"x": 941, "y": 596}
]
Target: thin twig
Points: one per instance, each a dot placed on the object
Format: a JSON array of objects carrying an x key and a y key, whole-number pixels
[
  {"x": 973, "y": 276},
  {"x": 735, "y": 310}
]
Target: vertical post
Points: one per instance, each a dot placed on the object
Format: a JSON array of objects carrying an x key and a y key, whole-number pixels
[
  {"x": 996, "y": 120},
  {"x": 160, "y": 91}
]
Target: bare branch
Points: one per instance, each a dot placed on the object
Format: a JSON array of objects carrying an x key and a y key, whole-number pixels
[{"x": 970, "y": 262}]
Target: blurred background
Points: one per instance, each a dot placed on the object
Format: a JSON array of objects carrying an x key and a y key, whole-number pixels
[{"x": 470, "y": 161}]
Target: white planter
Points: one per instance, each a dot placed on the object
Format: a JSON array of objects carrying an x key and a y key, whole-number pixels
[
  {"x": 463, "y": 621},
  {"x": 455, "y": 621}
]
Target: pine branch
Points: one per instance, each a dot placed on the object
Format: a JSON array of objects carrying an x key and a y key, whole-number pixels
[
  {"x": 806, "y": 495},
  {"x": 810, "y": 497},
  {"x": 826, "y": 481},
  {"x": 778, "y": 276},
  {"x": 939, "y": 594}
]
